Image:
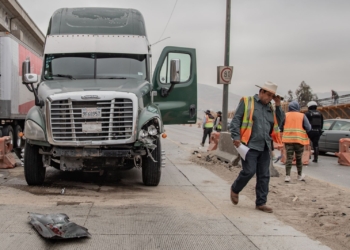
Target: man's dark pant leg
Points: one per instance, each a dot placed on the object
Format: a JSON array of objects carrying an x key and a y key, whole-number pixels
[
  {"x": 209, "y": 133},
  {"x": 247, "y": 172},
  {"x": 262, "y": 177},
  {"x": 206, "y": 132},
  {"x": 314, "y": 138}
]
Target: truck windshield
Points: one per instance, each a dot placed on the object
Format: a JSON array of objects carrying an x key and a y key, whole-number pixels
[{"x": 95, "y": 66}]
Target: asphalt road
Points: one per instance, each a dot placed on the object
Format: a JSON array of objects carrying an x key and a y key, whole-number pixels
[{"x": 327, "y": 169}]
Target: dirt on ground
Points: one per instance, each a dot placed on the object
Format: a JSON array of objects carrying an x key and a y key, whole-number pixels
[{"x": 316, "y": 208}]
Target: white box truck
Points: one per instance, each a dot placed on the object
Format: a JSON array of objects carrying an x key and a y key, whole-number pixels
[{"x": 15, "y": 100}]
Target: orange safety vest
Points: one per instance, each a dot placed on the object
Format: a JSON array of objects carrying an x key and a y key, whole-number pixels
[
  {"x": 293, "y": 131},
  {"x": 209, "y": 122},
  {"x": 247, "y": 122}
]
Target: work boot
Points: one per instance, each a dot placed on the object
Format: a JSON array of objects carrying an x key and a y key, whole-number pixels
[
  {"x": 202, "y": 144},
  {"x": 264, "y": 208},
  {"x": 316, "y": 152},
  {"x": 234, "y": 198}
]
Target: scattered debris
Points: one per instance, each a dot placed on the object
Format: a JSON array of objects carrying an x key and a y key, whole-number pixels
[
  {"x": 184, "y": 143},
  {"x": 343, "y": 214},
  {"x": 313, "y": 200},
  {"x": 295, "y": 198},
  {"x": 57, "y": 226},
  {"x": 63, "y": 190},
  {"x": 195, "y": 152},
  {"x": 199, "y": 156},
  {"x": 208, "y": 158}
]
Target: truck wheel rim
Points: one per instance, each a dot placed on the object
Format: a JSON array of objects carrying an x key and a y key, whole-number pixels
[
  {"x": 11, "y": 136},
  {"x": 19, "y": 141}
]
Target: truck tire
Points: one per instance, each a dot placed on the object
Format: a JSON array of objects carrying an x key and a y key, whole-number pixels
[
  {"x": 34, "y": 170},
  {"x": 8, "y": 131},
  {"x": 151, "y": 171},
  {"x": 17, "y": 140}
]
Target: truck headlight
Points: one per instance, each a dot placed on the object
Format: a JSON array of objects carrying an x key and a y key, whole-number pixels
[
  {"x": 143, "y": 134},
  {"x": 34, "y": 131},
  {"x": 152, "y": 130}
]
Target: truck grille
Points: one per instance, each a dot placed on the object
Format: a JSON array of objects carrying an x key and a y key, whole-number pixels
[{"x": 91, "y": 120}]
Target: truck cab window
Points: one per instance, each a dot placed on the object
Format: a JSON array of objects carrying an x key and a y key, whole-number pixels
[
  {"x": 185, "y": 67},
  {"x": 79, "y": 65},
  {"x": 121, "y": 66},
  {"x": 96, "y": 65}
]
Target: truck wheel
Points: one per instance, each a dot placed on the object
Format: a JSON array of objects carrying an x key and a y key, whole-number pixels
[
  {"x": 34, "y": 170},
  {"x": 17, "y": 140},
  {"x": 151, "y": 171},
  {"x": 8, "y": 131}
]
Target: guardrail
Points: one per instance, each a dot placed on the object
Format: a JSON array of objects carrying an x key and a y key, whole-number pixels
[{"x": 343, "y": 99}]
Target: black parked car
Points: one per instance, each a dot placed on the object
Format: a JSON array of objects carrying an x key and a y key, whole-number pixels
[{"x": 334, "y": 129}]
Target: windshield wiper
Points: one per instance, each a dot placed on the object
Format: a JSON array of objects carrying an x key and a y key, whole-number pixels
[
  {"x": 66, "y": 76},
  {"x": 114, "y": 77}
]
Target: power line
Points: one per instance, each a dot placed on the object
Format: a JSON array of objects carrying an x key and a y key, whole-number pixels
[
  {"x": 160, "y": 41},
  {"x": 168, "y": 20}
]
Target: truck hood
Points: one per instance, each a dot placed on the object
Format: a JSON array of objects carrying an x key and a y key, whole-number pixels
[{"x": 138, "y": 87}]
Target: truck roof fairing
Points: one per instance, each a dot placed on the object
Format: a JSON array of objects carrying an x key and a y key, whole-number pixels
[{"x": 97, "y": 21}]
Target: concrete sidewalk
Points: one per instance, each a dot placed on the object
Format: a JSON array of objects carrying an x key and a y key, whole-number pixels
[
  {"x": 190, "y": 209},
  {"x": 259, "y": 230}
]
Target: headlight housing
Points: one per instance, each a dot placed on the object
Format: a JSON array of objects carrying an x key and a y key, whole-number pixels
[
  {"x": 152, "y": 130},
  {"x": 143, "y": 134},
  {"x": 33, "y": 131}
]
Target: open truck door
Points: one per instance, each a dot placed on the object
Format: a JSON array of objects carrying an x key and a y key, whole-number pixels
[{"x": 175, "y": 80}]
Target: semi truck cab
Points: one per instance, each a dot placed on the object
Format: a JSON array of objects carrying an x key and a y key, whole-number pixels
[{"x": 97, "y": 104}]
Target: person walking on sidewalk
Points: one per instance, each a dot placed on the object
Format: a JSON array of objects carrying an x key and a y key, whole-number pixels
[
  {"x": 208, "y": 123},
  {"x": 295, "y": 128},
  {"x": 218, "y": 122},
  {"x": 256, "y": 124},
  {"x": 315, "y": 118}
]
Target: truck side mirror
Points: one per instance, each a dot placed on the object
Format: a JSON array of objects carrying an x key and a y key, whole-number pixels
[
  {"x": 174, "y": 76},
  {"x": 25, "y": 70},
  {"x": 175, "y": 71},
  {"x": 30, "y": 78}
]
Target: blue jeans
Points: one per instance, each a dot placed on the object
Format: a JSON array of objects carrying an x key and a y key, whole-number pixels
[{"x": 255, "y": 162}]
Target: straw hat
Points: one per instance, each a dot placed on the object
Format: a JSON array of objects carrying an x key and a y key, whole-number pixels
[{"x": 270, "y": 87}]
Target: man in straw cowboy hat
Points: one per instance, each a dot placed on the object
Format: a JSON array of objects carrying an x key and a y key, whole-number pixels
[{"x": 256, "y": 124}]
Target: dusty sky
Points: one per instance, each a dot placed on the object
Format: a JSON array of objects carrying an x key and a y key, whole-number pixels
[{"x": 272, "y": 40}]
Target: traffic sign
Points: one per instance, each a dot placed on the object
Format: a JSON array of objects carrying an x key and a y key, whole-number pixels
[{"x": 224, "y": 74}]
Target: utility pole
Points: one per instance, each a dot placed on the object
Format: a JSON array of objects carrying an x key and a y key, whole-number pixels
[{"x": 227, "y": 63}]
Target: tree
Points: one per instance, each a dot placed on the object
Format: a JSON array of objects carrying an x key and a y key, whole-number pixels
[
  {"x": 290, "y": 96},
  {"x": 304, "y": 94}
]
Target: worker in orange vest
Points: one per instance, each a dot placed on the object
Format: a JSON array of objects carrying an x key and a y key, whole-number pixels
[
  {"x": 295, "y": 129},
  {"x": 208, "y": 124}
]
